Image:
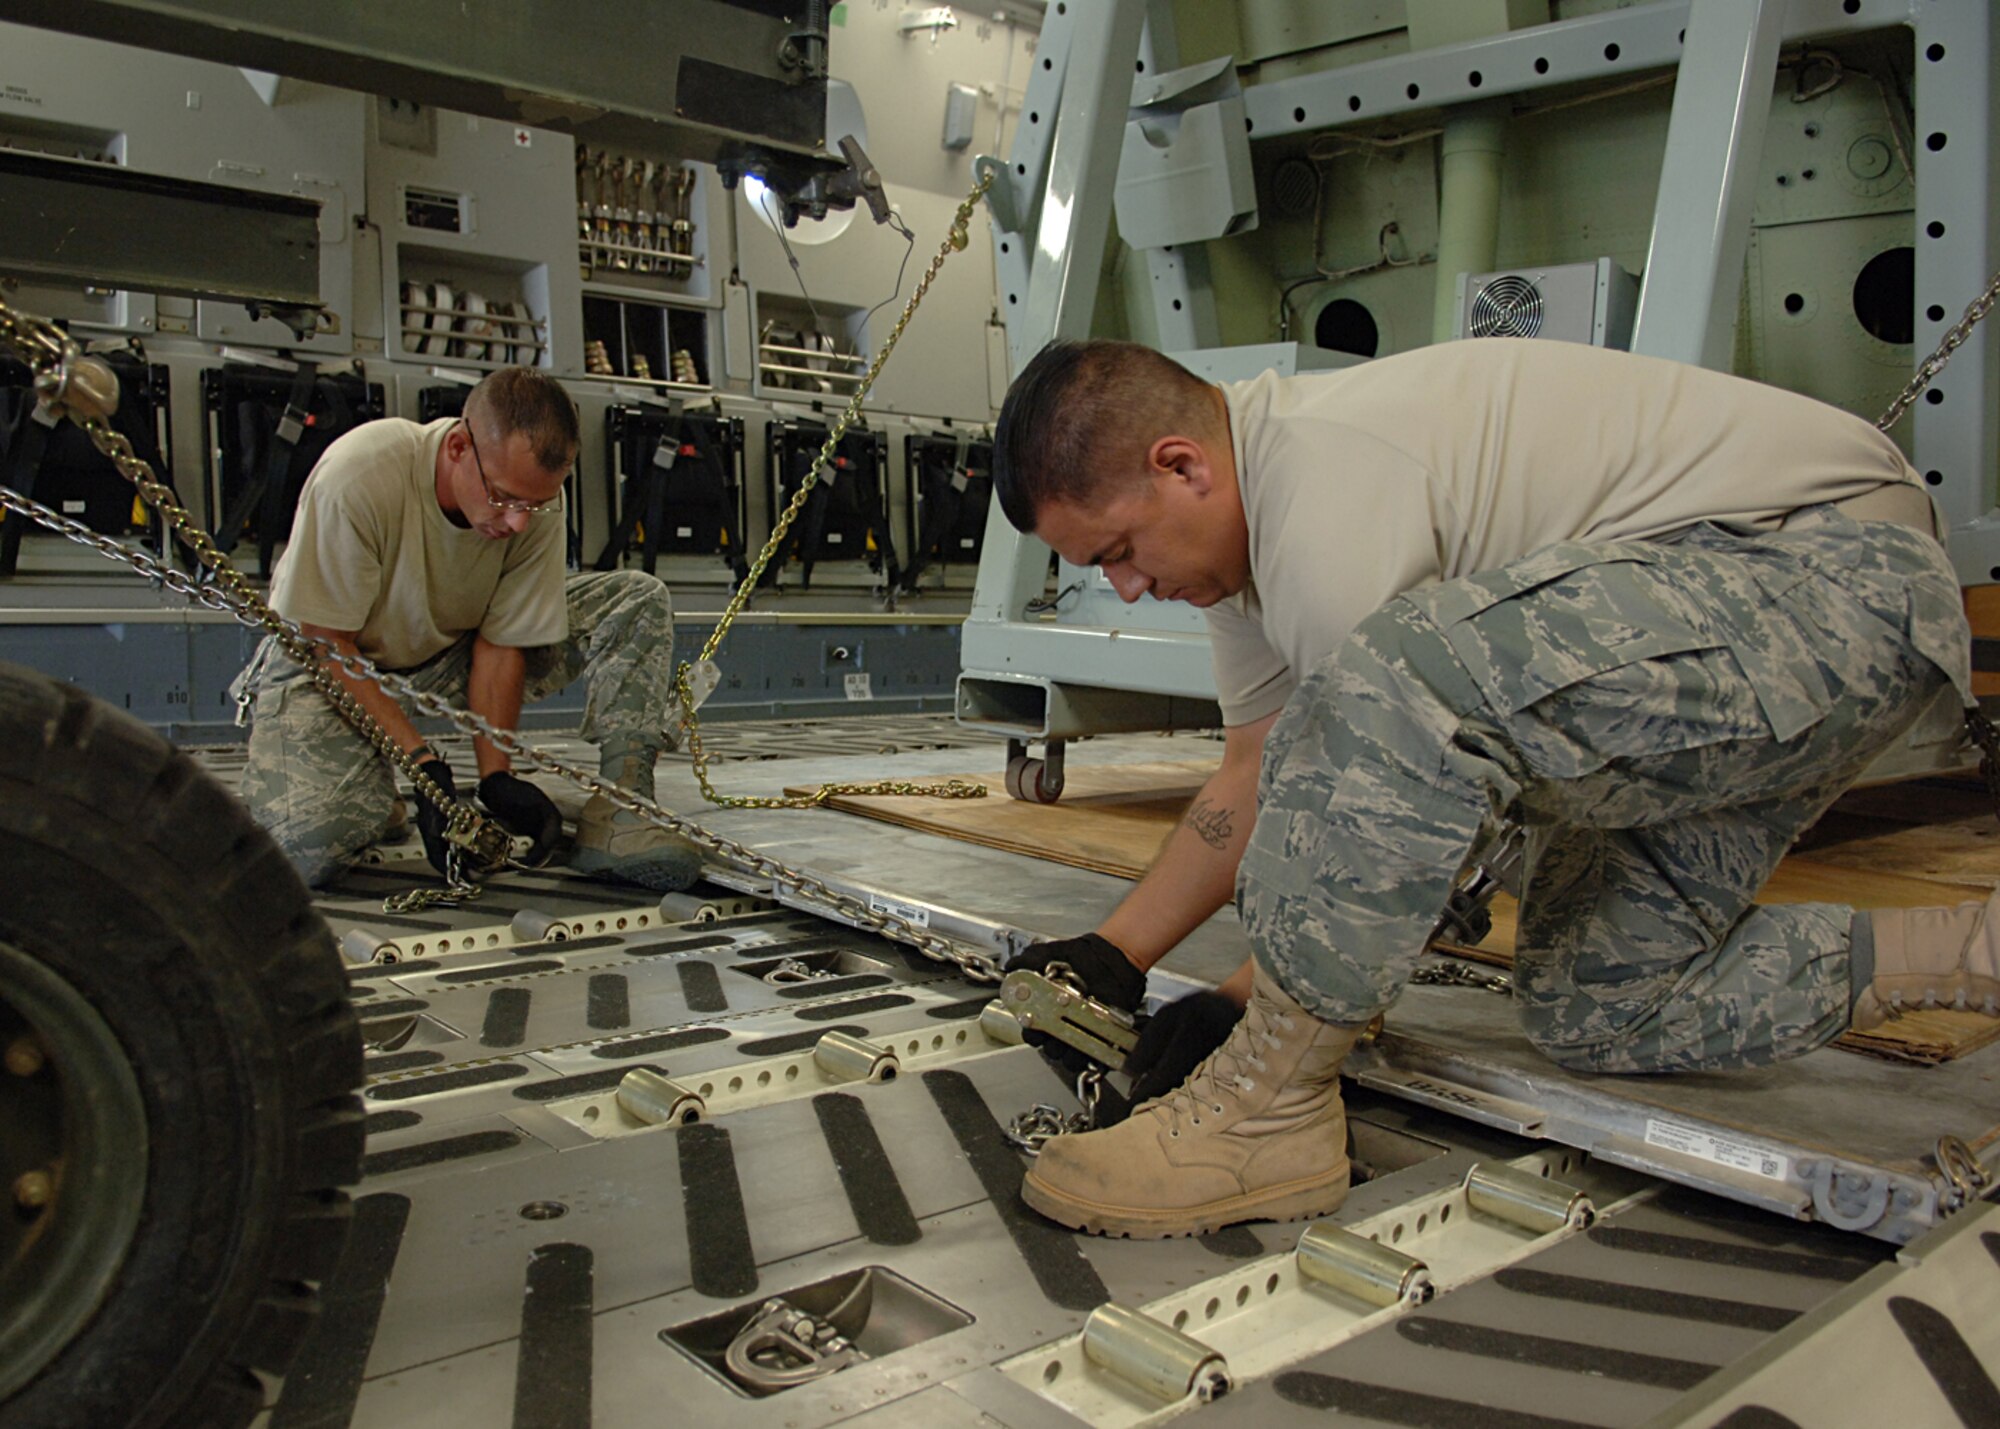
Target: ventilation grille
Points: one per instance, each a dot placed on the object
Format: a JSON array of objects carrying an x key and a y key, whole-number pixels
[
  {"x": 1294, "y": 188},
  {"x": 1509, "y": 306}
]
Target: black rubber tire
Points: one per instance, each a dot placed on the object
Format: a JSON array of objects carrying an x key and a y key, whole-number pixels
[{"x": 133, "y": 875}]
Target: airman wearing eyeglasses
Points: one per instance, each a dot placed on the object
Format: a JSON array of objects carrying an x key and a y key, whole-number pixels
[{"x": 437, "y": 551}]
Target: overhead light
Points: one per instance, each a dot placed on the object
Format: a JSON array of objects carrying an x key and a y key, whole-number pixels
[{"x": 934, "y": 18}]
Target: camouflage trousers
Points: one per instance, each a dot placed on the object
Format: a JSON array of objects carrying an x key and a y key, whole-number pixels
[
  {"x": 325, "y": 795},
  {"x": 1660, "y": 719}
]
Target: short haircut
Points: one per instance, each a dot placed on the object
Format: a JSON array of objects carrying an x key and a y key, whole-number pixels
[
  {"x": 521, "y": 399},
  {"x": 1080, "y": 417}
]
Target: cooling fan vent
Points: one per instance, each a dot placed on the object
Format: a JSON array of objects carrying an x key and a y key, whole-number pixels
[{"x": 1509, "y": 306}]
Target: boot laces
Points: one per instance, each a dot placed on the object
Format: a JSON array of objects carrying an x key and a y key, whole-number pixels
[{"x": 1226, "y": 1067}]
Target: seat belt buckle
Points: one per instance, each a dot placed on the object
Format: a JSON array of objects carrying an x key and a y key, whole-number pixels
[{"x": 1057, "y": 1005}]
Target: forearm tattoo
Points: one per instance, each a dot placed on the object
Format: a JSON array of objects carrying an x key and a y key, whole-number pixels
[{"x": 1212, "y": 826}]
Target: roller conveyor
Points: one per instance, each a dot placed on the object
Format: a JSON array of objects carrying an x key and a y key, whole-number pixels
[{"x": 530, "y": 1250}]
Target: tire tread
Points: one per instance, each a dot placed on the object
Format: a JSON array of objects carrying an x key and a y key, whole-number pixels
[{"x": 69, "y": 764}]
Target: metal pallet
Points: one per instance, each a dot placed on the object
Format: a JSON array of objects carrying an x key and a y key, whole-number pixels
[{"x": 528, "y": 1250}]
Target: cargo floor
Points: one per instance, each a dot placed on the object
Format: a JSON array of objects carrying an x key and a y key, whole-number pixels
[{"x": 528, "y": 1250}]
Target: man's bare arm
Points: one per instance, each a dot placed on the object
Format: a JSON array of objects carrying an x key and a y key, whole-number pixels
[
  {"x": 493, "y": 690},
  {"x": 369, "y": 695},
  {"x": 1195, "y": 873}
]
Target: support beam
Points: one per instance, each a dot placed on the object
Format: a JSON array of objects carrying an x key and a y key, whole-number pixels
[
  {"x": 1178, "y": 295},
  {"x": 1701, "y": 220},
  {"x": 705, "y": 79},
  {"x": 1181, "y": 300},
  {"x": 1060, "y": 181},
  {"x": 1596, "y": 47},
  {"x": 71, "y": 221},
  {"x": 1075, "y": 216},
  {"x": 1957, "y": 438}
]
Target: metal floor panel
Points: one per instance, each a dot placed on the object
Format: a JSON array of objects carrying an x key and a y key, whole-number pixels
[
  {"x": 1590, "y": 1331},
  {"x": 1846, "y": 1139},
  {"x": 509, "y": 1266},
  {"x": 1853, "y": 1136},
  {"x": 630, "y": 1203}
]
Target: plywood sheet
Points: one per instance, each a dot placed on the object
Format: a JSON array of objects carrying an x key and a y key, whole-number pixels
[
  {"x": 1873, "y": 851},
  {"x": 1112, "y": 818},
  {"x": 1928, "y": 828}
]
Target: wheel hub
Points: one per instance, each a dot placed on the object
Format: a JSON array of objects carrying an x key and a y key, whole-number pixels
[{"x": 72, "y": 1163}]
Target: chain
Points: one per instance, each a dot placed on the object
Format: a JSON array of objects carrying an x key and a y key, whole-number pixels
[
  {"x": 53, "y": 358},
  {"x": 791, "y": 971},
  {"x": 1987, "y": 737},
  {"x": 1961, "y": 1169},
  {"x": 1453, "y": 973},
  {"x": 845, "y": 906},
  {"x": 459, "y": 887},
  {"x": 56, "y": 364},
  {"x": 1954, "y": 335},
  {"x": 1031, "y": 1130},
  {"x": 58, "y": 368},
  {"x": 955, "y": 241},
  {"x": 1065, "y": 976},
  {"x": 1977, "y": 725}
]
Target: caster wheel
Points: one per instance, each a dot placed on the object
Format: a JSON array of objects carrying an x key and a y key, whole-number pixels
[{"x": 1031, "y": 781}]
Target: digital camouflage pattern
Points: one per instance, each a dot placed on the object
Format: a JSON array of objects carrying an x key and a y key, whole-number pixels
[
  {"x": 324, "y": 795},
  {"x": 1663, "y": 718}
]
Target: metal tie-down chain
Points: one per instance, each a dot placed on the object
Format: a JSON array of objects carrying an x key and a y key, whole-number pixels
[
  {"x": 1032, "y": 1129},
  {"x": 84, "y": 391},
  {"x": 1977, "y": 725},
  {"x": 1965, "y": 1178},
  {"x": 956, "y": 240},
  {"x": 1453, "y": 973},
  {"x": 88, "y": 395},
  {"x": 1954, "y": 337},
  {"x": 62, "y": 381}
]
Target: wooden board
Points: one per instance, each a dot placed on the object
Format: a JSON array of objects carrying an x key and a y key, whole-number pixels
[
  {"x": 1112, "y": 818},
  {"x": 1928, "y": 828},
  {"x": 1982, "y": 612},
  {"x": 1872, "y": 851}
]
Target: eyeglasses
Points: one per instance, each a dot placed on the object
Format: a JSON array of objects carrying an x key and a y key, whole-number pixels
[{"x": 504, "y": 503}]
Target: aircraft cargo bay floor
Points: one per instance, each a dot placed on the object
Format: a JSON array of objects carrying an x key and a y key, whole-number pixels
[{"x": 531, "y": 1247}]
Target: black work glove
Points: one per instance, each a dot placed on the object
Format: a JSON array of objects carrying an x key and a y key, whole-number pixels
[
  {"x": 431, "y": 820},
  {"x": 525, "y": 810},
  {"x": 1106, "y": 974},
  {"x": 1176, "y": 1040}
]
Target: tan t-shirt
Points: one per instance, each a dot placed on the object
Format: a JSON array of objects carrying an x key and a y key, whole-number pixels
[
  {"x": 1361, "y": 484},
  {"x": 371, "y": 551}
]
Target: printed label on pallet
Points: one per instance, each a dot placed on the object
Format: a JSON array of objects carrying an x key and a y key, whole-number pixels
[
  {"x": 908, "y": 912},
  {"x": 1706, "y": 1146}
]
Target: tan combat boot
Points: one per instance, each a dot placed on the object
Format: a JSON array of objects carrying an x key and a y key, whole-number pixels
[
  {"x": 1256, "y": 1133},
  {"x": 1932, "y": 957},
  {"x": 614, "y": 844}
]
